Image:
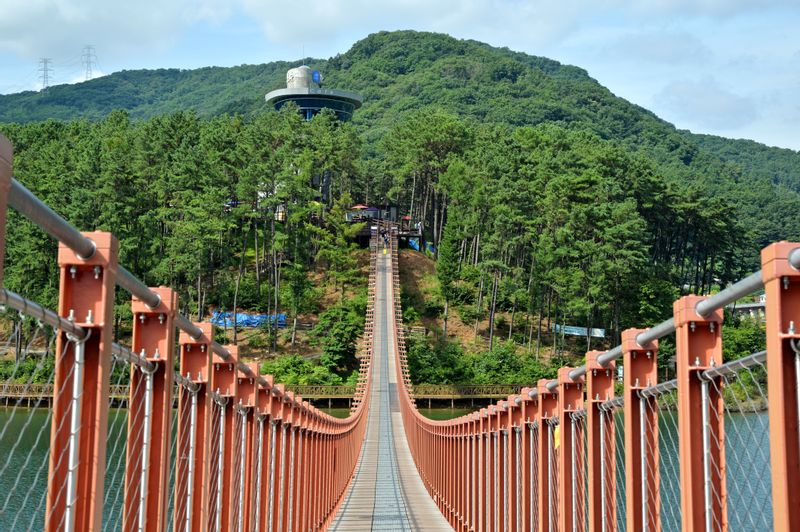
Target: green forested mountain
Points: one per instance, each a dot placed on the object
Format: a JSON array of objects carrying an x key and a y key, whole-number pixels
[
  {"x": 548, "y": 199},
  {"x": 401, "y": 71}
]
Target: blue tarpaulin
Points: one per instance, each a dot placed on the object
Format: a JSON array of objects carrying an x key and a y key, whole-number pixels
[
  {"x": 225, "y": 319},
  {"x": 430, "y": 248},
  {"x": 413, "y": 243}
]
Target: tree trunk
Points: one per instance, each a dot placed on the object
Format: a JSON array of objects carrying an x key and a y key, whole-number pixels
[
  {"x": 199, "y": 302},
  {"x": 491, "y": 312},
  {"x": 511, "y": 323},
  {"x": 539, "y": 326},
  {"x": 435, "y": 234},
  {"x": 413, "y": 194},
  {"x": 549, "y": 301},
  {"x": 258, "y": 263},
  {"x": 444, "y": 329},
  {"x": 478, "y": 306},
  {"x": 238, "y": 282}
]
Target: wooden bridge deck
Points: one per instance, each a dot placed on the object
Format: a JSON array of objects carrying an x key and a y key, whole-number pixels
[{"x": 386, "y": 492}]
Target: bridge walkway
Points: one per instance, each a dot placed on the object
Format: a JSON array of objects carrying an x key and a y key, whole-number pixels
[{"x": 386, "y": 492}]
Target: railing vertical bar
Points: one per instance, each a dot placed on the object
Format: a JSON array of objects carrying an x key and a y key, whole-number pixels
[
  {"x": 259, "y": 452},
  {"x": 574, "y": 476},
  {"x": 643, "y": 458},
  {"x": 190, "y": 464},
  {"x": 74, "y": 432},
  {"x": 706, "y": 455},
  {"x": 603, "y": 487},
  {"x": 271, "y": 485},
  {"x": 518, "y": 476},
  {"x": 146, "y": 436}
]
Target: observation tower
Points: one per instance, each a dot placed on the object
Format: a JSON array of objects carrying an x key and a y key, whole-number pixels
[{"x": 303, "y": 87}]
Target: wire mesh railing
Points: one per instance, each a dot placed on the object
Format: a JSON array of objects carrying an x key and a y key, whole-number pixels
[
  {"x": 579, "y": 495},
  {"x": 25, "y": 426},
  {"x": 89, "y": 432},
  {"x": 663, "y": 407},
  {"x": 741, "y": 388},
  {"x": 715, "y": 449}
]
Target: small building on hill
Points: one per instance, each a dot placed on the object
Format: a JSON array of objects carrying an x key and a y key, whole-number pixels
[{"x": 304, "y": 88}]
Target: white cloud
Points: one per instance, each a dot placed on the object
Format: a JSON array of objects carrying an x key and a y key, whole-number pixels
[{"x": 34, "y": 28}]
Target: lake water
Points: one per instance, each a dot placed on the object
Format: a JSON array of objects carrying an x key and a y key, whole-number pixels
[{"x": 25, "y": 438}]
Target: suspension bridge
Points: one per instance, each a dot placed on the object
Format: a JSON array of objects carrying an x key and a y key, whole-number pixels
[{"x": 715, "y": 449}]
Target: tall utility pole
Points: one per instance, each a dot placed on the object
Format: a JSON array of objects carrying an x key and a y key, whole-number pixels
[
  {"x": 88, "y": 58},
  {"x": 44, "y": 71}
]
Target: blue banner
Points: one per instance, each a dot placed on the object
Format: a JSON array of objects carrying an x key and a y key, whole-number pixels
[
  {"x": 225, "y": 319},
  {"x": 578, "y": 331}
]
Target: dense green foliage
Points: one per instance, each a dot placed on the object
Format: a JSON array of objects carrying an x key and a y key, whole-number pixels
[
  {"x": 447, "y": 363},
  {"x": 548, "y": 199}
]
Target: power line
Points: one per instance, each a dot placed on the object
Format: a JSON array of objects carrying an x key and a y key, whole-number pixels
[
  {"x": 45, "y": 70},
  {"x": 88, "y": 59}
]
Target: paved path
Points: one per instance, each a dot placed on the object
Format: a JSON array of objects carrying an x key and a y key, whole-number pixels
[{"x": 387, "y": 492}]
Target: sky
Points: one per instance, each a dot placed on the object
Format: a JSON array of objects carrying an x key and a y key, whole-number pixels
[{"x": 725, "y": 67}]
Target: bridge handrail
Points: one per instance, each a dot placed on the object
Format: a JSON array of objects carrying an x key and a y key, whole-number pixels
[
  {"x": 704, "y": 308},
  {"x": 27, "y": 204},
  {"x": 226, "y": 409},
  {"x": 471, "y": 464}
]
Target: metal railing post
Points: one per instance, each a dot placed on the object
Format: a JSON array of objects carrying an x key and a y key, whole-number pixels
[
  {"x": 190, "y": 480},
  {"x": 276, "y": 463},
  {"x": 301, "y": 469},
  {"x": 570, "y": 399},
  {"x": 525, "y": 487},
  {"x": 284, "y": 471},
  {"x": 698, "y": 347},
  {"x": 150, "y": 414},
  {"x": 641, "y": 434},
  {"x": 601, "y": 445},
  {"x": 6, "y": 167},
  {"x": 246, "y": 391},
  {"x": 547, "y": 409},
  {"x": 782, "y": 286},
  {"x": 515, "y": 486},
  {"x": 263, "y": 441},
  {"x": 87, "y": 297},
  {"x": 291, "y": 466},
  {"x": 224, "y": 383}
]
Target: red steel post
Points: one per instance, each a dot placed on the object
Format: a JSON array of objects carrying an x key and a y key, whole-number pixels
[
  {"x": 264, "y": 409},
  {"x": 514, "y": 471},
  {"x": 6, "y": 158},
  {"x": 601, "y": 445},
  {"x": 548, "y": 408},
  {"x": 190, "y": 482},
  {"x": 641, "y": 434},
  {"x": 782, "y": 286},
  {"x": 302, "y": 482},
  {"x": 86, "y": 295},
  {"x": 245, "y": 402},
  {"x": 526, "y": 491},
  {"x": 570, "y": 400},
  {"x": 224, "y": 383},
  {"x": 698, "y": 346},
  {"x": 277, "y": 419},
  {"x": 286, "y": 468},
  {"x": 150, "y": 415}
]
